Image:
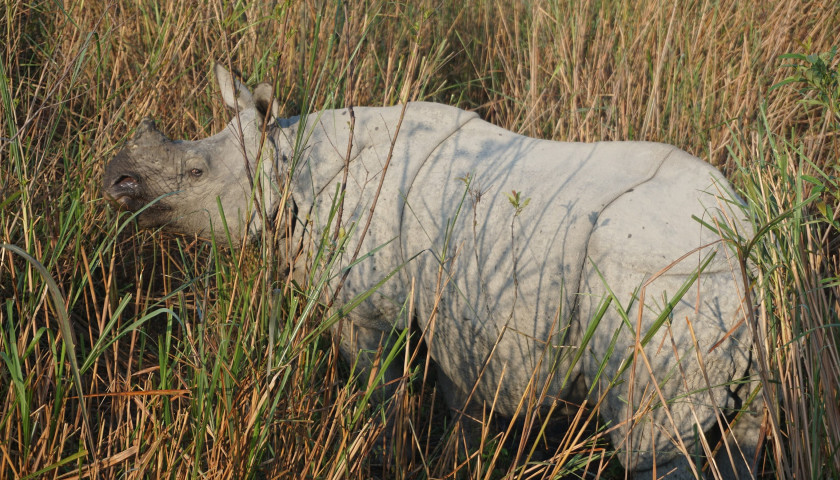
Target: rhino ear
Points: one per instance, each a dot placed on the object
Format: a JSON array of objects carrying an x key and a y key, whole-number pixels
[
  {"x": 235, "y": 94},
  {"x": 265, "y": 102},
  {"x": 147, "y": 133}
]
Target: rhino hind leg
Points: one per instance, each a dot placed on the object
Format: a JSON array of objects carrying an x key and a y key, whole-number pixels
[{"x": 744, "y": 440}]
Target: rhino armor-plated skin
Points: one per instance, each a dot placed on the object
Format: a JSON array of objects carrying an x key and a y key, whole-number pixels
[{"x": 523, "y": 284}]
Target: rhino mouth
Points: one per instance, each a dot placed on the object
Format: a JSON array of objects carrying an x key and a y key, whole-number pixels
[{"x": 124, "y": 193}]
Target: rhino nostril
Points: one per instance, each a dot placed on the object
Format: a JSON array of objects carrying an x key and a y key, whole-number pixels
[{"x": 126, "y": 181}]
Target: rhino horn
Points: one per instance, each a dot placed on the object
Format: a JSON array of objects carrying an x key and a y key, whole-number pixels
[{"x": 148, "y": 134}]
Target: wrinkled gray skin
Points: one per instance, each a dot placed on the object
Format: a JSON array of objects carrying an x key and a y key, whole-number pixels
[{"x": 523, "y": 286}]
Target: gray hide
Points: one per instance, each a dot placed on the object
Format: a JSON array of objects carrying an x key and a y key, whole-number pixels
[{"x": 602, "y": 217}]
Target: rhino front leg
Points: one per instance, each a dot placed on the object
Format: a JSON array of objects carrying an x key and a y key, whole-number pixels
[{"x": 367, "y": 350}]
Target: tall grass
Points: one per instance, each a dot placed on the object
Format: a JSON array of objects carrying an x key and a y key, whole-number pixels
[{"x": 190, "y": 366}]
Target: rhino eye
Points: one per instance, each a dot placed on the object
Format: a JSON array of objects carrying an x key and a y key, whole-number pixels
[{"x": 196, "y": 172}]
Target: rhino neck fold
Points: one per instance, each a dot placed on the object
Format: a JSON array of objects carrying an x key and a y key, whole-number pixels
[{"x": 321, "y": 149}]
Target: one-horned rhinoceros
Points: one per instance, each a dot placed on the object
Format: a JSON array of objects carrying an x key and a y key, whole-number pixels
[{"x": 538, "y": 266}]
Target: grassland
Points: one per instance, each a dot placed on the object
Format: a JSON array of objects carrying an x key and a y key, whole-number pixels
[{"x": 189, "y": 367}]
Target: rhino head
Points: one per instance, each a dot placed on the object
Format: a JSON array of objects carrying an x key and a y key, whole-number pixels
[{"x": 197, "y": 186}]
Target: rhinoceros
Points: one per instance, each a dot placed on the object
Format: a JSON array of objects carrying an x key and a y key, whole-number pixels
[{"x": 564, "y": 271}]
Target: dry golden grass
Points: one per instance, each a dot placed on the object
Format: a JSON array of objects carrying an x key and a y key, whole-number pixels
[{"x": 179, "y": 387}]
